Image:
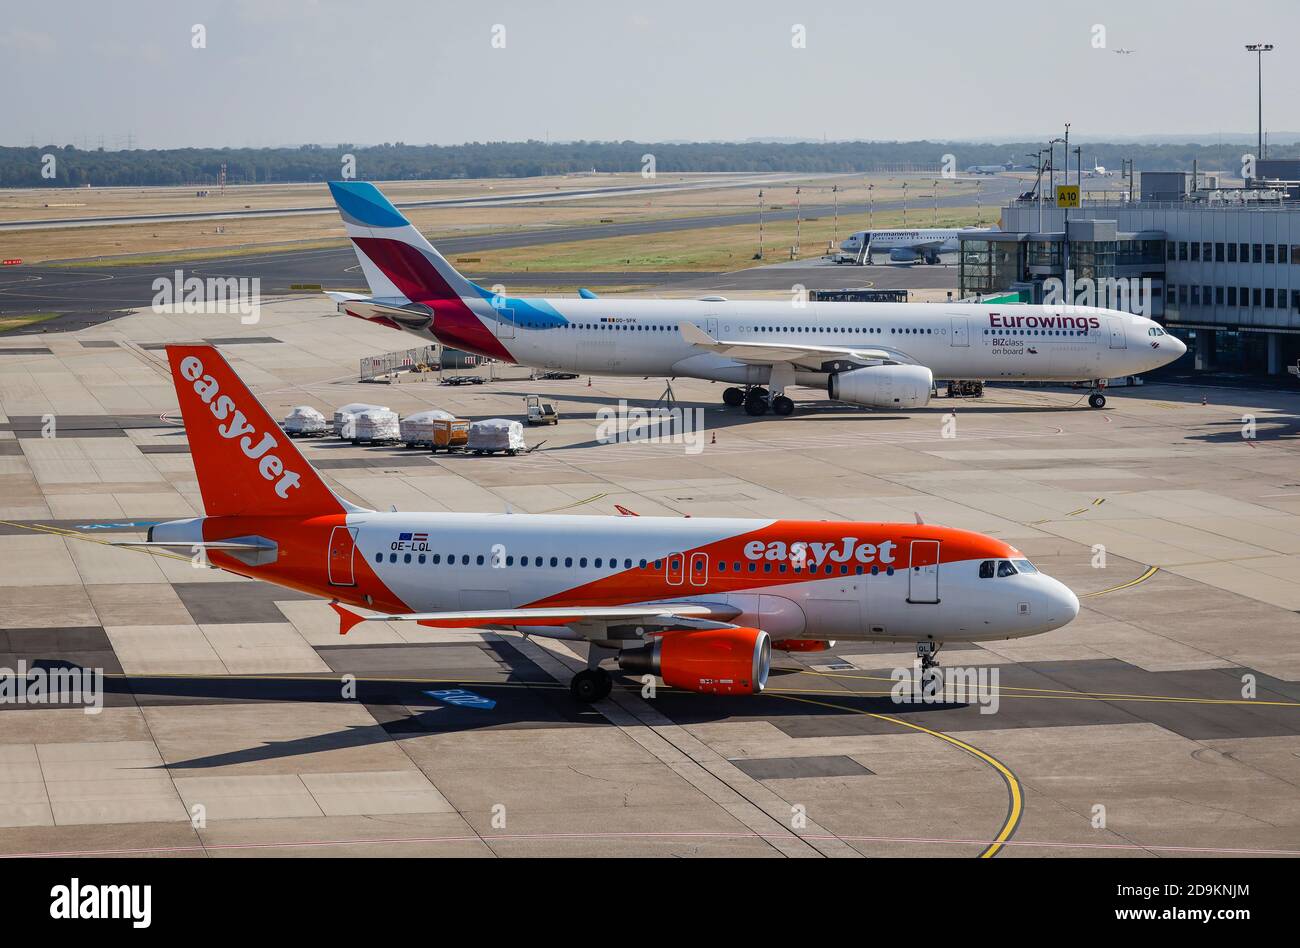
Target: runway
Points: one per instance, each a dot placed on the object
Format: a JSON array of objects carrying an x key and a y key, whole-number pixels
[{"x": 91, "y": 290}]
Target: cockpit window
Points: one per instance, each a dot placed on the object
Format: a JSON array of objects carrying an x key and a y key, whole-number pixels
[
  {"x": 1005, "y": 568},
  {"x": 1024, "y": 566},
  {"x": 988, "y": 569},
  {"x": 1156, "y": 331}
]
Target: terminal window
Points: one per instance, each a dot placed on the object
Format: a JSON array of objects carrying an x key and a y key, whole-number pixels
[
  {"x": 1269, "y": 254},
  {"x": 1295, "y": 255},
  {"x": 1232, "y": 253},
  {"x": 1218, "y": 296},
  {"x": 1268, "y": 298},
  {"x": 1257, "y": 254},
  {"x": 1218, "y": 253},
  {"x": 1257, "y": 297},
  {"x": 1206, "y": 251},
  {"x": 1245, "y": 296},
  {"x": 1232, "y": 296},
  {"x": 1245, "y": 253},
  {"x": 1196, "y": 252},
  {"x": 1182, "y": 250}
]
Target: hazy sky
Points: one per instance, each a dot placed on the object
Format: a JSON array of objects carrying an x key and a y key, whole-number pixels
[{"x": 292, "y": 71}]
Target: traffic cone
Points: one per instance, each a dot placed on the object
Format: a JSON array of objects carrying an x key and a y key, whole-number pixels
[
  {"x": 1205, "y": 399},
  {"x": 715, "y": 438},
  {"x": 589, "y": 382}
]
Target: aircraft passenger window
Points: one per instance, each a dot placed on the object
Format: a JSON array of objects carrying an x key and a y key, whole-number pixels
[
  {"x": 627, "y": 564},
  {"x": 379, "y": 557},
  {"x": 988, "y": 569},
  {"x": 659, "y": 564},
  {"x": 767, "y": 567},
  {"x": 737, "y": 567},
  {"x": 782, "y": 568},
  {"x": 478, "y": 560},
  {"x": 568, "y": 562},
  {"x": 1024, "y": 566},
  {"x": 510, "y": 561},
  {"x": 875, "y": 571},
  {"x": 643, "y": 564},
  {"x": 753, "y": 567},
  {"x": 537, "y": 561},
  {"x": 1005, "y": 569},
  {"x": 437, "y": 558},
  {"x": 555, "y": 561},
  {"x": 420, "y": 559},
  {"x": 464, "y": 560},
  {"x": 599, "y": 560},
  {"x": 582, "y": 563},
  {"x": 392, "y": 557},
  {"x": 722, "y": 566}
]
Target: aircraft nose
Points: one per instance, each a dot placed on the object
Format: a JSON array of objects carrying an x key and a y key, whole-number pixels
[
  {"x": 1062, "y": 603},
  {"x": 1180, "y": 347}
]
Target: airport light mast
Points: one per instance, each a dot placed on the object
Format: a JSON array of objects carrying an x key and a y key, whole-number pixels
[{"x": 1259, "y": 49}]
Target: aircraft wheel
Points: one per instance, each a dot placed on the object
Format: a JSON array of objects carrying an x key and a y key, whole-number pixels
[
  {"x": 591, "y": 685},
  {"x": 734, "y": 397},
  {"x": 756, "y": 405},
  {"x": 1097, "y": 400},
  {"x": 782, "y": 405}
]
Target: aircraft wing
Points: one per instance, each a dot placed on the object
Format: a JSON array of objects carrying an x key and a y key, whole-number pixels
[
  {"x": 772, "y": 352},
  {"x": 664, "y": 615}
]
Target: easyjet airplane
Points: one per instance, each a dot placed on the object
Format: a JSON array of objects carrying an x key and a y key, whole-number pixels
[
  {"x": 881, "y": 355},
  {"x": 700, "y": 603}
]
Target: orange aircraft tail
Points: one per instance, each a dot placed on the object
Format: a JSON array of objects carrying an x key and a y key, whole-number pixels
[{"x": 246, "y": 465}]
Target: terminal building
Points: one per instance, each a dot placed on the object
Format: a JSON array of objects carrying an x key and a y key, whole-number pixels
[{"x": 1221, "y": 266}]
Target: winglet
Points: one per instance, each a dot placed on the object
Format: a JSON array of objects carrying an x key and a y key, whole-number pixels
[
  {"x": 347, "y": 618},
  {"x": 695, "y": 335}
]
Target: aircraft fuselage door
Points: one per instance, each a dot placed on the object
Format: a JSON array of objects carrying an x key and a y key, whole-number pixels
[
  {"x": 343, "y": 546},
  {"x": 960, "y": 332},
  {"x": 675, "y": 569},
  {"x": 699, "y": 569},
  {"x": 923, "y": 575},
  {"x": 1118, "y": 340},
  {"x": 711, "y": 326},
  {"x": 505, "y": 322}
]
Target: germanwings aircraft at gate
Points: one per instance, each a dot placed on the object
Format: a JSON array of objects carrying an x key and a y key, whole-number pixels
[
  {"x": 699, "y": 602},
  {"x": 879, "y": 355}
]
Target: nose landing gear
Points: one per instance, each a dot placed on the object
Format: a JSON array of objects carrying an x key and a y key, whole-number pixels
[
  {"x": 1097, "y": 398},
  {"x": 928, "y": 654}
]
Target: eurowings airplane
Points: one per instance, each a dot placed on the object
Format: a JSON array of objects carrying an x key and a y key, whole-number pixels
[
  {"x": 903, "y": 246},
  {"x": 878, "y": 355},
  {"x": 699, "y": 602}
]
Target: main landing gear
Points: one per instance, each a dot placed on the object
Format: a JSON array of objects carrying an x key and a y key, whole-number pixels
[
  {"x": 758, "y": 401},
  {"x": 591, "y": 685}
]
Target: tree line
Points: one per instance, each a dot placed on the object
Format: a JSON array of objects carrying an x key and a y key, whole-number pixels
[{"x": 201, "y": 167}]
